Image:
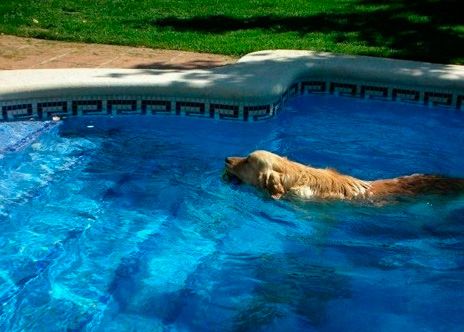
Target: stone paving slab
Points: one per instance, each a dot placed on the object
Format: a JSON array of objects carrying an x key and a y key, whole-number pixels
[{"x": 30, "y": 53}]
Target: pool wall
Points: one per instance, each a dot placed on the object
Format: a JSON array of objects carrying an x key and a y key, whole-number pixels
[{"x": 253, "y": 89}]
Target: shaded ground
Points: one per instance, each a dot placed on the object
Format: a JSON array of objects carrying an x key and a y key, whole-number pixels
[
  {"x": 415, "y": 29},
  {"x": 26, "y": 53}
]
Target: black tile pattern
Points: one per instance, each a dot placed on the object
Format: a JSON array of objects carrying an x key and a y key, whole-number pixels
[
  {"x": 17, "y": 112},
  {"x": 284, "y": 97},
  {"x": 374, "y": 92},
  {"x": 257, "y": 113},
  {"x": 405, "y": 95},
  {"x": 121, "y": 106},
  {"x": 438, "y": 99},
  {"x": 45, "y": 111},
  {"x": 277, "y": 107},
  {"x": 87, "y": 107},
  {"x": 313, "y": 87},
  {"x": 228, "y": 112},
  {"x": 193, "y": 109},
  {"x": 343, "y": 89},
  {"x": 156, "y": 107},
  {"x": 460, "y": 102},
  {"x": 293, "y": 90}
]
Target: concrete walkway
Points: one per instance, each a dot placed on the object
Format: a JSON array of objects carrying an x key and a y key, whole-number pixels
[{"x": 29, "y": 53}]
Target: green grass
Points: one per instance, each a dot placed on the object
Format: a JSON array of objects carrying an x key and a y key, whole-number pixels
[{"x": 429, "y": 30}]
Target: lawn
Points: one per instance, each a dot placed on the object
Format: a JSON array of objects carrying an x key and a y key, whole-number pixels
[{"x": 430, "y": 30}]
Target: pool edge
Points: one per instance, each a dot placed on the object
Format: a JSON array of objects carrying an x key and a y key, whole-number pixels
[{"x": 254, "y": 88}]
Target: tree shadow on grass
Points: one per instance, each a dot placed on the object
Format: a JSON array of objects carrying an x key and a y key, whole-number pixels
[{"x": 416, "y": 29}]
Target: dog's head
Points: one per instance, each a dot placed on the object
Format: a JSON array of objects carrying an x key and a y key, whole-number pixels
[{"x": 262, "y": 169}]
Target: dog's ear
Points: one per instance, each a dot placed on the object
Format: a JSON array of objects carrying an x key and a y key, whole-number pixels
[{"x": 272, "y": 182}]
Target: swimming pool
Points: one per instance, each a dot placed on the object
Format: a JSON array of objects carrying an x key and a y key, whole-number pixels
[{"x": 112, "y": 224}]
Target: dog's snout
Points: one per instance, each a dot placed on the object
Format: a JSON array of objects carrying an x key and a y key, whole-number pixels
[{"x": 231, "y": 161}]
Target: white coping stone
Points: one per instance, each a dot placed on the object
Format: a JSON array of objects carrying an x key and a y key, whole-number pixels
[{"x": 260, "y": 77}]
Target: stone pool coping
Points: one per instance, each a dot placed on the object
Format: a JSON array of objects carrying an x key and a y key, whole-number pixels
[{"x": 254, "y": 88}]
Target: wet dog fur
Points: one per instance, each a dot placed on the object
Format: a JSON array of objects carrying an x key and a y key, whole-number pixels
[{"x": 283, "y": 178}]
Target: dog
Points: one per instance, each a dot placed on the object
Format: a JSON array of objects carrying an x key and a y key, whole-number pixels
[{"x": 283, "y": 178}]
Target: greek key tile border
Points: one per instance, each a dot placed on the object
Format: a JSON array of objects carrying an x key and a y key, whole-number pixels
[
  {"x": 46, "y": 109},
  {"x": 129, "y": 105},
  {"x": 445, "y": 99}
]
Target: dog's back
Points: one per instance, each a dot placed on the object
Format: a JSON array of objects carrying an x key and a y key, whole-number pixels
[{"x": 417, "y": 184}]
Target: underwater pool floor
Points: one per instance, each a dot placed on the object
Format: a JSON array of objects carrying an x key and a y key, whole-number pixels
[{"x": 118, "y": 224}]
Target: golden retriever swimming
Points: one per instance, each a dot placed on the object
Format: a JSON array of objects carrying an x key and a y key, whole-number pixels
[{"x": 281, "y": 177}]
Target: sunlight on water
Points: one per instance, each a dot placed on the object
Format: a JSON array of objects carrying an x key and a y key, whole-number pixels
[{"x": 125, "y": 224}]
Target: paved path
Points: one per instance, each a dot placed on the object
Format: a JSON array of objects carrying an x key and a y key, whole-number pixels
[{"x": 26, "y": 53}]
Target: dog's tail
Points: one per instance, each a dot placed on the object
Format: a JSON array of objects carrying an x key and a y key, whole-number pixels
[{"x": 417, "y": 184}]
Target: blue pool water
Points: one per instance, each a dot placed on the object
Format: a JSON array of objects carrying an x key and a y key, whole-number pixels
[{"x": 125, "y": 225}]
